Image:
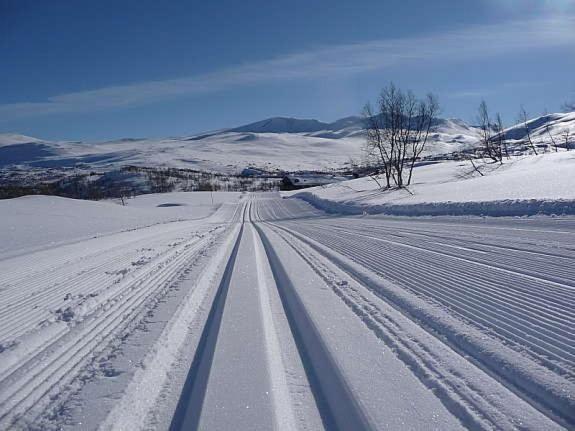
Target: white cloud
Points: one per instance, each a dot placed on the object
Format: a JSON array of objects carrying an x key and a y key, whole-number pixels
[{"x": 471, "y": 43}]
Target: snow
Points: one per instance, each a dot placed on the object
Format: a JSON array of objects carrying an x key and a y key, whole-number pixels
[
  {"x": 358, "y": 355},
  {"x": 274, "y": 144},
  {"x": 521, "y": 186},
  {"x": 144, "y": 390},
  {"x": 260, "y": 312},
  {"x": 253, "y": 311},
  {"x": 34, "y": 222},
  {"x": 541, "y": 127},
  {"x": 286, "y": 144},
  {"x": 284, "y": 125},
  {"x": 15, "y": 138}
]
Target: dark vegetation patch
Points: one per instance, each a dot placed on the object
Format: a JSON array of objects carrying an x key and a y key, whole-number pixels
[{"x": 166, "y": 205}]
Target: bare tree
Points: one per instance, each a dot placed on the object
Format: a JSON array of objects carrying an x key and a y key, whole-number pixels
[
  {"x": 523, "y": 118},
  {"x": 378, "y": 153},
  {"x": 427, "y": 110},
  {"x": 490, "y": 147},
  {"x": 548, "y": 130},
  {"x": 474, "y": 165},
  {"x": 398, "y": 132},
  {"x": 566, "y": 135},
  {"x": 501, "y": 138}
]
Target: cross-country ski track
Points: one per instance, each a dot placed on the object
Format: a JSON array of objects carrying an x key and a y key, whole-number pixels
[{"x": 270, "y": 314}]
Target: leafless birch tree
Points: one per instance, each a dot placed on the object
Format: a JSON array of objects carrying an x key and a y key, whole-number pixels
[
  {"x": 501, "y": 138},
  {"x": 490, "y": 143},
  {"x": 566, "y": 135},
  {"x": 553, "y": 142},
  {"x": 398, "y": 132},
  {"x": 524, "y": 119}
]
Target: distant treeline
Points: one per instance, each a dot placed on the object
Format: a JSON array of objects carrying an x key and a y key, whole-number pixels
[{"x": 128, "y": 181}]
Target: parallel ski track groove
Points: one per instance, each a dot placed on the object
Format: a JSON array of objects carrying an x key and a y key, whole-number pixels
[
  {"x": 497, "y": 260},
  {"x": 46, "y": 292},
  {"x": 29, "y": 384},
  {"x": 534, "y": 295},
  {"x": 336, "y": 403},
  {"x": 540, "y": 404},
  {"x": 431, "y": 280},
  {"x": 411, "y": 354},
  {"x": 188, "y": 410}
]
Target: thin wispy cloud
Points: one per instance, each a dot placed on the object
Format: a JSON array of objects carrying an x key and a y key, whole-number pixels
[
  {"x": 474, "y": 43},
  {"x": 475, "y": 93},
  {"x": 472, "y": 94}
]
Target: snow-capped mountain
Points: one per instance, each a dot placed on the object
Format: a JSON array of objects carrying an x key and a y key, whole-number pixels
[
  {"x": 274, "y": 144},
  {"x": 541, "y": 128}
]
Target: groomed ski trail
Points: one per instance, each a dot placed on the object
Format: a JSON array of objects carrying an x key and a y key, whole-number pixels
[{"x": 295, "y": 319}]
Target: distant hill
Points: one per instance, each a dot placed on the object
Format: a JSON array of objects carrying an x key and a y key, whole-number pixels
[
  {"x": 295, "y": 125},
  {"x": 277, "y": 143}
]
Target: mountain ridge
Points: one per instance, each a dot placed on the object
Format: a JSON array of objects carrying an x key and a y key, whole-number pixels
[{"x": 276, "y": 143}]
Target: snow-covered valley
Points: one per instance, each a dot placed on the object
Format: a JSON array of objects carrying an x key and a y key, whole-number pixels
[{"x": 343, "y": 306}]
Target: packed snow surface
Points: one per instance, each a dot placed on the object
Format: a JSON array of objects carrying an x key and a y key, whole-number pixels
[{"x": 259, "y": 312}]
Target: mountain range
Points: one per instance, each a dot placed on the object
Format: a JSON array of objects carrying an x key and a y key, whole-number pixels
[{"x": 277, "y": 143}]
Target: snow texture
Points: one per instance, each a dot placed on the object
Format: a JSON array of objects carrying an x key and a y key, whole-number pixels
[{"x": 522, "y": 186}]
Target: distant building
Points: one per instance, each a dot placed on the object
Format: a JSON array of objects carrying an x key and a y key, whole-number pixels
[
  {"x": 252, "y": 172},
  {"x": 300, "y": 181}
]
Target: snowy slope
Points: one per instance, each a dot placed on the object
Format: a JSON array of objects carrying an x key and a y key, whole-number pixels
[
  {"x": 544, "y": 130},
  {"x": 37, "y": 222},
  {"x": 273, "y": 144},
  {"x": 521, "y": 186},
  {"x": 14, "y": 139}
]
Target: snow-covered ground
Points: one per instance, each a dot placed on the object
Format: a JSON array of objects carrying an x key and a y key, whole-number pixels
[
  {"x": 33, "y": 222},
  {"x": 525, "y": 185},
  {"x": 266, "y": 313}
]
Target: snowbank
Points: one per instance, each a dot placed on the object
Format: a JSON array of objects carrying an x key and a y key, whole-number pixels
[{"x": 543, "y": 184}]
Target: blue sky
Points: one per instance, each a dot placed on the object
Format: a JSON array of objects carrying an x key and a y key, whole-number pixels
[{"x": 106, "y": 69}]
